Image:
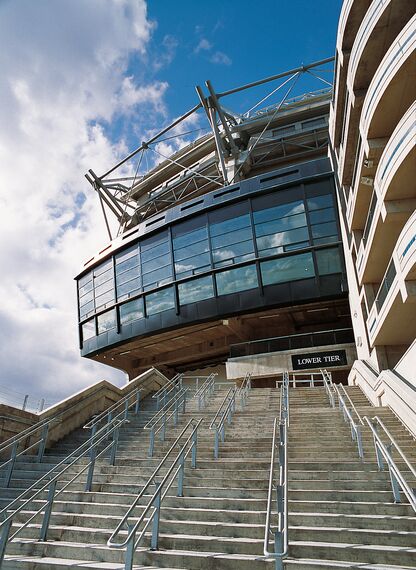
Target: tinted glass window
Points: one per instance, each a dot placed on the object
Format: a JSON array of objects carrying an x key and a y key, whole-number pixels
[
  {"x": 88, "y": 329},
  {"x": 287, "y": 269},
  {"x": 281, "y": 228},
  {"x": 160, "y": 301},
  {"x": 131, "y": 311},
  {"x": 328, "y": 261},
  {"x": 232, "y": 240},
  {"x": 191, "y": 252},
  {"x": 156, "y": 261},
  {"x": 195, "y": 290},
  {"x": 106, "y": 321},
  {"x": 236, "y": 280},
  {"x": 128, "y": 282}
]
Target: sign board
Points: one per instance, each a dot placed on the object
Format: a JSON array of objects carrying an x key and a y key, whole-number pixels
[{"x": 319, "y": 360}]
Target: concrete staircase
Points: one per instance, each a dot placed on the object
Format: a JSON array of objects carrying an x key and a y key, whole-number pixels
[{"x": 341, "y": 513}]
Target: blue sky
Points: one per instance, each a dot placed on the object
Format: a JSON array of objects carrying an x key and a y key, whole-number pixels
[{"x": 84, "y": 82}]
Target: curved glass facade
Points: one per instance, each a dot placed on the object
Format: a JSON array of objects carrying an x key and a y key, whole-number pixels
[{"x": 276, "y": 238}]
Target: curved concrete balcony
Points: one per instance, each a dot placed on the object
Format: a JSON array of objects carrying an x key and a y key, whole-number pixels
[
  {"x": 392, "y": 318},
  {"x": 352, "y": 14},
  {"x": 396, "y": 171},
  {"x": 393, "y": 200},
  {"x": 391, "y": 91},
  {"x": 382, "y": 22}
]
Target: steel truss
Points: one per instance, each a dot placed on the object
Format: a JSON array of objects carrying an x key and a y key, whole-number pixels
[{"x": 132, "y": 197}]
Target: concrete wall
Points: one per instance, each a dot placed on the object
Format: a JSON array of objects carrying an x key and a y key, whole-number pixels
[
  {"x": 273, "y": 363},
  {"x": 387, "y": 389},
  {"x": 76, "y": 410}
]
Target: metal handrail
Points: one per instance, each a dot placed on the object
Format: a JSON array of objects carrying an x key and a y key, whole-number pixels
[
  {"x": 206, "y": 389},
  {"x": 281, "y": 532},
  {"x": 355, "y": 429},
  {"x": 163, "y": 416},
  {"x": 123, "y": 403},
  {"x": 382, "y": 450},
  {"x": 351, "y": 403},
  {"x": 49, "y": 481},
  {"x": 156, "y": 499},
  {"x": 329, "y": 387},
  {"x": 224, "y": 412},
  {"x": 162, "y": 393},
  {"x": 244, "y": 390}
]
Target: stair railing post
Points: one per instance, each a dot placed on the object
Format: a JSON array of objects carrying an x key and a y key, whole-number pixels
[
  {"x": 126, "y": 409},
  {"x": 278, "y": 547},
  {"x": 194, "y": 448},
  {"x": 154, "y": 541},
  {"x": 163, "y": 430},
  {"x": 137, "y": 405},
  {"x": 216, "y": 443},
  {"x": 90, "y": 475},
  {"x": 93, "y": 432},
  {"x": 42, "y": 443},
  {"x": 176, "y": 413},
  {"x": 128, "y": 564},
  {"x": 4, "y": 538},
  {"x": 10, "y": 468},
  {"x": 181, "y": 474},
  {"x": 184, "y": 402},
  {"x": 379, "y": 455},
  {"x": 48, "y": 511},
  {"x": 157, "y": 403},
  {"x": 394, "y": 483},
  {"x": 360, "y": 443},
  {"x": 114, "y": 446},
  {"x": 109, "y": 419},
  {"x": 151, "y": 441},
  {"x": 223, "y": 432}
]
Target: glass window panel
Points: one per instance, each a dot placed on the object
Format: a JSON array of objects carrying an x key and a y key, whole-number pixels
[
  {"x": 292, "y": 236},
  {"x": 190, "y": 250},
  {"x": 128, "y": 289},
  {"x": 128, "y": 264},
  {"x": 86, "y": 287},
  {"x": 189, "y": 238},
  {"x": 126, "y": 254},
  {"x": 230, "y": 225},
  {"x": 106, "y": 266},
  {"x": 85, "y": 279},
  {"x": 293, "y": 246},
  {"x": 107, "y": 286},
  {"x": 161, "y": 249},
  {"x": 328, "y": 261},
  {"x": 195, "y": 290},
  {"x": 319, "y": 216},
  {"x": 158, "y": 275},
  {"x": 328, "y": 239},
  {"x": 287, "y": 269},
  {"x": 157, "y": 263},
  {"x": 322, "y": 230},
  {"x": 278, "y": 212},
  {"x": 86, "y": 298},
  {"x": 88, "y": 330},
  {"x": 271, "y": 251},
  {"x": 106, "y": 321},
  {"x": 103, "y": 277},
  {"x": 160, "y": 301},
  {"x": 201, "y": 262},
  {"x": 319, "y": 202},
  {"x": 127, "y": 275},
  {"x": 231, "y": 238},
  {"x": 85, "y": 309},
  {"x": 131, "y": 311},
  {"x": 104, "y": 299},
  {"x": 236, "y": 280},
  {"x": 233, "y": 251},
  {"x": 281, "y": 225}
]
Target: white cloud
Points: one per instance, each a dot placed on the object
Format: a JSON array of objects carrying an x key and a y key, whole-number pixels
[
  {"x": 203, "y": 45},
  {"x": 220, "y": 58},
  {"x": 64, "y": 71}
]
